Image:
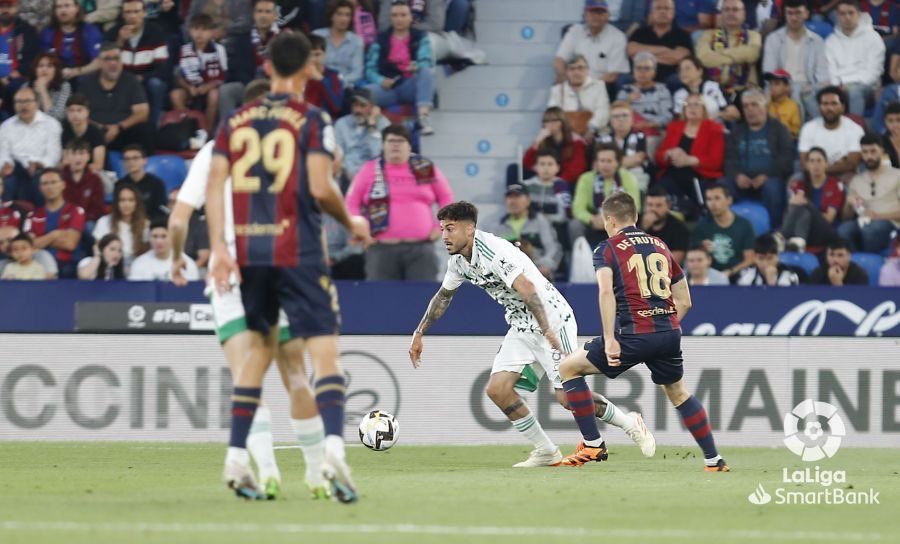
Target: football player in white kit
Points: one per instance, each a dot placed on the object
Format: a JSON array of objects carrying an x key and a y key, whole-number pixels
[
  {"x": 542, "y": 329},
  {"x": 228, "y": 315}
]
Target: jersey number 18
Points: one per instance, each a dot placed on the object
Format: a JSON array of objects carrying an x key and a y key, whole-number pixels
[{"x": 652, "y": 273}]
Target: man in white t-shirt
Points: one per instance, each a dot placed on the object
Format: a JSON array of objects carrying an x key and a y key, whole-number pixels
[
  {"x": 542, "y": 329},
  {"x": 156, "y": 264},
  {"x": 838, "y": 135},
  {"x": 603, "y": 45}
]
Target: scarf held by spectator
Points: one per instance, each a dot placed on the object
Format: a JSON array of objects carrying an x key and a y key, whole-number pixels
[{"x": 377, "y": 211}]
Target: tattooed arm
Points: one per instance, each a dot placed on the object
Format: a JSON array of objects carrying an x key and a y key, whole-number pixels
[
  {"x": 436, "y": 308},
  {"x": 532, "y": 300}
]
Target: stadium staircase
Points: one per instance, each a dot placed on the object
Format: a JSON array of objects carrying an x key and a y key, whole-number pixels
[{"x": 486, "y": 112}]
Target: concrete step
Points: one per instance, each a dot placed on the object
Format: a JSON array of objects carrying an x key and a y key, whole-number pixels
[
  {"x": 537, "y": 31},
  {"x": 514, "y": 76},
  {"x": 530, "y": 10},
  {"x": 495, "y": 99},
  {"x": 532, "y": 54},
  {"x": 503, "y": 124},
  {"x": 474, "y": 143},
  {"x": 475, "y": 179}
]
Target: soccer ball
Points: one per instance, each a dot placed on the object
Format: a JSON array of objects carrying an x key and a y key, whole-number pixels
[{"x": 378, "y": 430}]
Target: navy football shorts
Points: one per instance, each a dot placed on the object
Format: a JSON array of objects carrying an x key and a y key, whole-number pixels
[
  {"x": 659, "y": 351},
  {"x": 306, "y": 293}
]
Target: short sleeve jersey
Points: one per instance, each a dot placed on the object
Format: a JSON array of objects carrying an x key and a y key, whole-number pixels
[
  {"x": 277, "y": 221},
  {"x": 643, "y": 274},
  {"x": 495, "y": 265}
]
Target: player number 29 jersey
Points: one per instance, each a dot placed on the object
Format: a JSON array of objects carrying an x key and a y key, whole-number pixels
[
  {"x": 277, "y": 222},
  {"x": 495, "y": 265},
  {"x": 643, "y": 273}
]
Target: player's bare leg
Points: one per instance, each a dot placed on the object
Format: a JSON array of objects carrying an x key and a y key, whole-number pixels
[
  {"x": 247, "y": 375},
  {"x": 501, "y": 390},
  {"x": 304, "y": 414},
  {"x": 330, "y": 391},
  {"x": 694, "y": 416}
]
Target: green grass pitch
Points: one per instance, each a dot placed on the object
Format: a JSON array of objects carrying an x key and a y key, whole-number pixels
[{"x": 165, "y": 493}]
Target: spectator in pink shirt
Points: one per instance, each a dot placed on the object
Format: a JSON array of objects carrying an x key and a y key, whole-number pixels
[{"x": 399, "y": 193}]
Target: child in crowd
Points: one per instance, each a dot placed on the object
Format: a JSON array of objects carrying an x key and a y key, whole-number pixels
[
  {"x": 23, "y": 266},
  {"x": 781, "y": 105}
]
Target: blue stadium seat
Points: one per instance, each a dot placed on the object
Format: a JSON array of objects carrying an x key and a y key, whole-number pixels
[
  {"x": 807, "y": 261},
  {"x": 114, "y": 159},
  {"x": 756, "y": 213},
  {"x": 169, "y": 168},
  {"x": 871, "y": 263},
  {"x": 822, "y": 28}
]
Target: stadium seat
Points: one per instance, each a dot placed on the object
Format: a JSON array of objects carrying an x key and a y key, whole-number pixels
[
  {"x": 822, "y": 28},
  {"x": 169, "y": 168},
  {"x": 871, "y": 263},
  {"x": 756, "y": 213},
  {"x": 807, "y": 261},
  {"x": 114, "y": 159}
]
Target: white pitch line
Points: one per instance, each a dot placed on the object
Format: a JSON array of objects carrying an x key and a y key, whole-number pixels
[{"x": 439, "y": 530}]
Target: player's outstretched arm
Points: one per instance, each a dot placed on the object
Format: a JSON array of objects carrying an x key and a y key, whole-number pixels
[
  {"x": 179, "y": 220},
  {"x": 223, "y": 266},
  {"x": 328, "y": 194},
  {"x": 436, "y": 308},
  {"x": 608, "y": 315},
  {"x": 681, "y": 294},
  {"x": 532, "y": 301}
]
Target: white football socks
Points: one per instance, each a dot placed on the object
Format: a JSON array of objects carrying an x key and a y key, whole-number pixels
[
  {"x": 261, "y": 446},
  {"x": 616, "y": 417},
  {"x": 531, "y": 429},
  {"x": 311, "y": 435}
]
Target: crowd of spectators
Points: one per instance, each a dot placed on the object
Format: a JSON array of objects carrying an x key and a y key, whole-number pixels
[
  {"x": 87, "y": 84},
  {"x": 749, "y": 132}
]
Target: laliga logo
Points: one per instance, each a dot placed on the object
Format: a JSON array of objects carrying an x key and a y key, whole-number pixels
[{"x": 813, "y": 430}]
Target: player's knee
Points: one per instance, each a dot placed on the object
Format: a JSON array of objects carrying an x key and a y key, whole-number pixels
[
  {"x": 569, "y": 369},
  {"x": 497, "y": 390},
  {"x": 676, "y": 392}
]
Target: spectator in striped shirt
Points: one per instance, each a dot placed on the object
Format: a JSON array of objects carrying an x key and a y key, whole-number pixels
[
  {"x": 52, "y": 91},
  {"x": 652, "y": 101},
  {"x": 57, "y": 226},
  {"x": 145, "y": 53},
  {"x": 202, "y": 68}
]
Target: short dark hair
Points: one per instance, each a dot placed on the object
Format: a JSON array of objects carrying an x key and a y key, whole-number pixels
[
  {"x": 657, "y": 190},
  {"x": 396, "y": 130},
  {"x": 22, "y": 237},
  {"x": 51, "y": 170},
  {"x": 870, "y": 138},
  {"x": 621, "y": 206},
  {"x": 109, "y": 46},
  {"x": 135, "y": 147},
  {"x": 608, "y": 147},
  {"x": 765, "y": 245},
  {"x": 717, "y": 186},
  {"x": 819, "y": 150},
  {"x": 893, "y": 108},
  {"x": 289, "y": 53},
  {"x": 160, "y": 222},
  {"x": 316, "y": 42},
  {"x": 334, "y": 5},
  {"x": 78, "y": 99},
  {"x": 256, "y": 89},
  {"x": 698, "y": 247},
  {"x": 134, "y": 1},
  {"x": 832, "y": 89},
  {"x": 852, "y": 3},
  {"x": 201, "y": 20},
  {"x": 795, "y": 4},
  {"x": 458, "y": 211},
  {"x": 546, "y": 152},
  {"x": 78, "y": 144},
  {"x": 838, "y": 243}
]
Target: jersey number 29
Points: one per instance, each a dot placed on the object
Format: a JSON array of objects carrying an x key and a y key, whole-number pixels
[
  {"x": 652, "y": 273},
  {"x": 277, "y": 150}
]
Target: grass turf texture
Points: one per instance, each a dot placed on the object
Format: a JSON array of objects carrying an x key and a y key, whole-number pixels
[{"x": 152, "y": 492}]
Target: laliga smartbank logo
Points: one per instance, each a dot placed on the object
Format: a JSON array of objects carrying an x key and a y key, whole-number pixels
[{"x": 813, "y": 431}]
